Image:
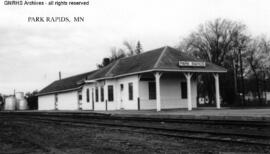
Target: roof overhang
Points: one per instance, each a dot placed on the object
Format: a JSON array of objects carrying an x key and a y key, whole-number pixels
[
  {"x": 135, "y": 73},
  {"x": 195, "y": 64},
  {"x": 90, "y": 81},
  {"x": 160, "y": 70},
  {"x": 59, "y": 91}
]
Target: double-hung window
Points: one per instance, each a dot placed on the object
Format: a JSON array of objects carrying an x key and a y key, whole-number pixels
[
  {"x": 102, "y": 94},
  {"x": 152, "y": 90},
  {"x": 87, "y": 96},
  {"x": 184, "y": 90},
  {"x": 97, "y": 94},
  {"x": 130, "y": 91},
  {"x": 110, "y": 93}
]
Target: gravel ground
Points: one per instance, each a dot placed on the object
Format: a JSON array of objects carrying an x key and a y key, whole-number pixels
[{"x": 35, "y": 137}]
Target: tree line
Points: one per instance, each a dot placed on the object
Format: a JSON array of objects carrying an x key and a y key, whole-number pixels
[{"x": 228, "y": 43}]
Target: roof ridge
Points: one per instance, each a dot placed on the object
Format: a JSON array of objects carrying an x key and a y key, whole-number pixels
[
  {"x": 140, "y": 54},
  {"x": 187, "y": 54},
  {"x": 160, "y": 56},
  {"x": 76, "y": 75},
  {"x": 115, "y": 64}
]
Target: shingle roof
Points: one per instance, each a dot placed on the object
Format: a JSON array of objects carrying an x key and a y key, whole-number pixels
[
  {"x": 161, "y": 59},
  {"x": 138, "y": 63},
  {"x": 171, "y": 57},
  {"x": 66, "y": 84}
]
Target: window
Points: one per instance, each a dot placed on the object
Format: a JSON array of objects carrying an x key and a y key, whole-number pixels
[
  {"x": 130, "y": 91},
  {"x": 121, "y": 87},
  {"x": 56, "y": 101},
  {"x": 102, "y": 94},
  {"x": 96, "y": 94},
  {"x": 110, "y": 93},
  {"x": 87, "y": 95},
  {"x": 152, "y": 90},
  {"x": 184, "y": 90},
  {"x": 80, "y": 96},
  {"x": 56, "y": 98}
]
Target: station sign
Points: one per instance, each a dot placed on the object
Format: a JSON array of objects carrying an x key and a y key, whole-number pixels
[{"x": 191, "y": 64}]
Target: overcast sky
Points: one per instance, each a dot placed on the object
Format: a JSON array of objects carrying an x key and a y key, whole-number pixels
[{"x": 32, "y": 54}]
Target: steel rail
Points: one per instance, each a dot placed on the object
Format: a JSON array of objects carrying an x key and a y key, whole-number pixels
[{"x": 249, "y": 123}]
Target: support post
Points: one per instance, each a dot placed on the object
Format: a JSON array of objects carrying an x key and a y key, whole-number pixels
[
  {"x": 217, "y": 90},
  {"x": 189, "y": 101},
  {"x": 158, "y": 100},
  {"x": 93, "y": 102},
  {"x": 105, "y": 94},
  {"x": 55, "y": 101},
  {"x": 138, "y": 92},
  {"x": 139, "y": 103},
  {"x": 106, "y": 105}
]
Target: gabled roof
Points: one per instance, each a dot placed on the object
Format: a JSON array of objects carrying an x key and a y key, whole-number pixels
[
  {"x": 171, "y": 57},
  {"x": 137, "y": 63},
  {"x": 65, "y": 84},
  {"x": 161, "y": 59}
]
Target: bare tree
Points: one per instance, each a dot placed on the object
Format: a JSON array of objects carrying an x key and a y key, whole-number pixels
[
  {"x": 221, "y": 42},
  {"x": 265, "y": 47},
  {"x": 257, "y": 58},
  {"x": 117, "y": 53},
  {"x": 265, "y": 67},
  {"x": 130, "y": 48},
  {"x": 213, "y": 41},
  {"x": 240, "y": 42}
]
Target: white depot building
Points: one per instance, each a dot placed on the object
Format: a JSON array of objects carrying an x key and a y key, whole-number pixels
[{"x": 164, "y": 78}]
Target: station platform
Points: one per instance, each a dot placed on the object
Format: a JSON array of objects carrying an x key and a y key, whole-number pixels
[
  {"x": 252, "y": 114},
  {"x": 205, "y": 113}
]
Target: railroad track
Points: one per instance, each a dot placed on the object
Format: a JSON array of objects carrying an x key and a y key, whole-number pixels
[
  {"x": 205, "y": 135},
  {"x": 99, "y": 116}
]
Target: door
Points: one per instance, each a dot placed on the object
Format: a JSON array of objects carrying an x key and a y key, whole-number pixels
[
  {"x": 121, "y": 96},
  {"x": 93, "y": 102},
  {"x": 80, "y": 100}
]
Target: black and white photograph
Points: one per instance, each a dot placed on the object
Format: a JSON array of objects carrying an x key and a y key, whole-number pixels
[{"x": 134, "y": 76}]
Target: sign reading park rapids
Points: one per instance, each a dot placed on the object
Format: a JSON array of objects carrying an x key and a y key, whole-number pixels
[{"x": 191, "y": 64}]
